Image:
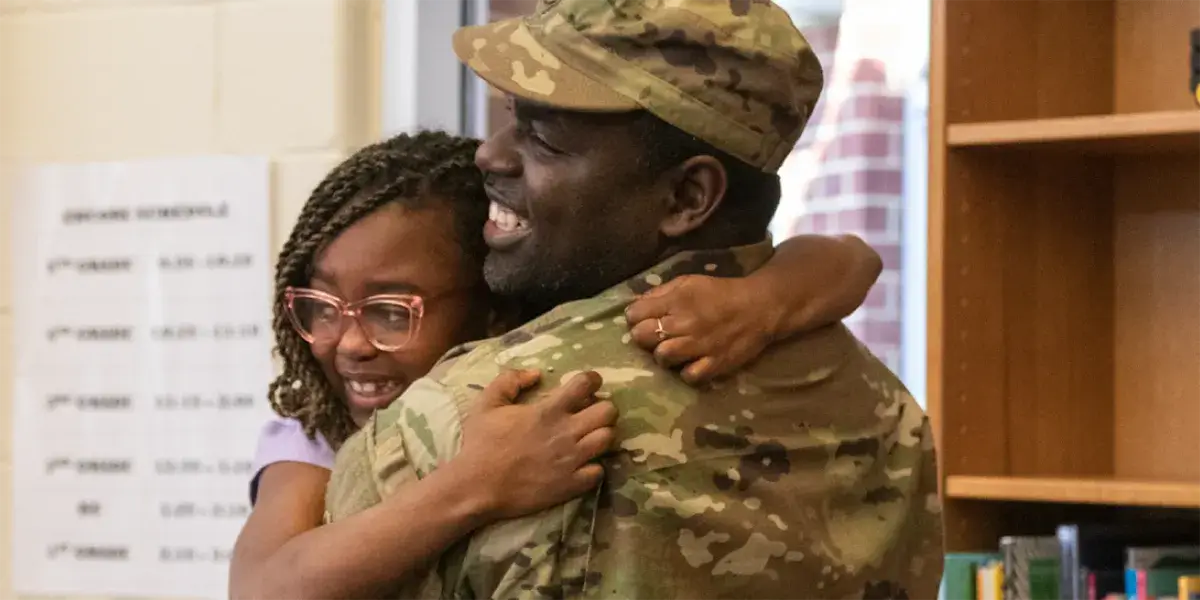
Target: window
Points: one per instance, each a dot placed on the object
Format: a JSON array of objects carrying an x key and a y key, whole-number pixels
[
  {"x": 485, "y": 107},
  {"x": 860, "y": 165}
]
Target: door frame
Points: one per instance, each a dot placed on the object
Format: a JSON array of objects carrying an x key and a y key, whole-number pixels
[{"x": 420, "y": 70}]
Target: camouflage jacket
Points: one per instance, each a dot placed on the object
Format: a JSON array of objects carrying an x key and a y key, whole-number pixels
[{"x": 810, "y": 474}]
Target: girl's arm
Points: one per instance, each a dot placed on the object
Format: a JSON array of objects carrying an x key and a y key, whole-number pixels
[
  {"x": 714, "y": 326},
  {"x": 516, "y": 459},
  {"x": 290, "y": 501},
  {"x": 284, "y": 552}
]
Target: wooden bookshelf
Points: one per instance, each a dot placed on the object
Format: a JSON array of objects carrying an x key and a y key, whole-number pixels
[
  {"x": 1064, "y": 270},
  {"x": 1143, "y": 133},
  {"x": 1075, "y": 491}
]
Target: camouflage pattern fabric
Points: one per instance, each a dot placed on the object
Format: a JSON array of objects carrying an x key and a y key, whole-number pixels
[
  {"x": 734, "y": 73},
  {"x": 810, "y": 474}
]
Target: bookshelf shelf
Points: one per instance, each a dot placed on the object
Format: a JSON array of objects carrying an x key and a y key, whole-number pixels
[
  {"x": 1150, "y": 132},
  {"x": 1075, "y": 491}
]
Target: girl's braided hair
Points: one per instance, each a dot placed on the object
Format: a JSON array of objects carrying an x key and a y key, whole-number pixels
[{"x": 415, "y": 170}]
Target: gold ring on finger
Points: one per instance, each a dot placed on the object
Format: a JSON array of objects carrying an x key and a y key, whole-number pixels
[{"x": 659, "y": 331}]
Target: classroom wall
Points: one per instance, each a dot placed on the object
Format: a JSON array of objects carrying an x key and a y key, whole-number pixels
[{"x": 295, "y": 80}]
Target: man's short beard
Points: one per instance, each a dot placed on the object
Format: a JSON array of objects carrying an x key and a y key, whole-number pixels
[
  {"x": 527, "y": 284},
  {"x": 541, "y": 284}
]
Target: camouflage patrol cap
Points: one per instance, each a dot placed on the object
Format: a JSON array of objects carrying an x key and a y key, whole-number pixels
[{"x": 734, "y": 73}]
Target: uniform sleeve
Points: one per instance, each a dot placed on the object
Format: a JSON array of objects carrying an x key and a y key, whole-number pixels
[
  {"x": 394, "y": 449},
  {"x": 421, "y": 431},
  {"x": 351, "y": 488}
]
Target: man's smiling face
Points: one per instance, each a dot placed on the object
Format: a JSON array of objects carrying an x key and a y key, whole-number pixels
[{"x": 573, "y": 209}]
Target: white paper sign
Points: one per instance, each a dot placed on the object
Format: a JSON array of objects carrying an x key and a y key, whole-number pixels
[{"x": 142, "y": 316}]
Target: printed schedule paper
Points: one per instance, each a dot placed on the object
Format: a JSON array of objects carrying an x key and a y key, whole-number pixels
[{"x": 142, "y": 338}]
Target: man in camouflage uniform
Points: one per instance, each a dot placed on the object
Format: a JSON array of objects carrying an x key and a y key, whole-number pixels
[{"x": 809, "y": 474}]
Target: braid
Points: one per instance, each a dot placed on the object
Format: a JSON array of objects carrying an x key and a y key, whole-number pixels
[{"x": 411, "y": 169}]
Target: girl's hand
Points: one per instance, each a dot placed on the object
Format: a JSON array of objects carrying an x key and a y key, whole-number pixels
[
  {"x": 712, "y": 326},
  {"x": 534, "y": 455}
]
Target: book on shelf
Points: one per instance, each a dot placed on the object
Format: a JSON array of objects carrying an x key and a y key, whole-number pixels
[
  {"x": 1093, "y": 554},
  {"x": 1155, "y": 560},
  {"x": 1154, "y": 572},
  {"x": 1031, "y": 567},
  {"x": 1189, "y": 587},
  {"x": 961, "y": 571},
  {"x": 989, "y": 583}
]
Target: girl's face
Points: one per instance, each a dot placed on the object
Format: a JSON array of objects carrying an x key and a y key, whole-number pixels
[{"x": 397, "y": 250}]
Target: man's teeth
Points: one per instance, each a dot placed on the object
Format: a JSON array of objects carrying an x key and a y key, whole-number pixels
[
  {"x": 372, "y": 387},
  {"x": 505, "y": 219}
]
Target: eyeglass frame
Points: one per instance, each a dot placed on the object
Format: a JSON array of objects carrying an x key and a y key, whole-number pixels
[{"x": 415, "y": 304}]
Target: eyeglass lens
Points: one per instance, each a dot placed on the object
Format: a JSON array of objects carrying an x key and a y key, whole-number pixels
[{"x": 385, "y": 322}]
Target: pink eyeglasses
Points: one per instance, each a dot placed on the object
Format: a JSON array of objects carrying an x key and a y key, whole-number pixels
[{"x": 390, "y": 321}]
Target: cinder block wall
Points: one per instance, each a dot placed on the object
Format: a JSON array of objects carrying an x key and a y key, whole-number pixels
[{"x": 296, "y": 80}]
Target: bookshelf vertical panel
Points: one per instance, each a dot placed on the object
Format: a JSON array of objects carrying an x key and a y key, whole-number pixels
[
  {"x": 935, "y": 279},
  {"x": 1157, "y": 314},
  {"x": 1152, "y": 58},
  {"x": 973, "y": 404}
]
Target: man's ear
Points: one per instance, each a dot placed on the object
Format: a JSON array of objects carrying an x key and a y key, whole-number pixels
[{"x": 698, "y": 188}]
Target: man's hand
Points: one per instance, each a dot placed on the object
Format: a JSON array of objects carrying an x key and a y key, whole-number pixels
[
  {"x": 527, "y": 457},
  {"x": 711, "y": 324}
]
